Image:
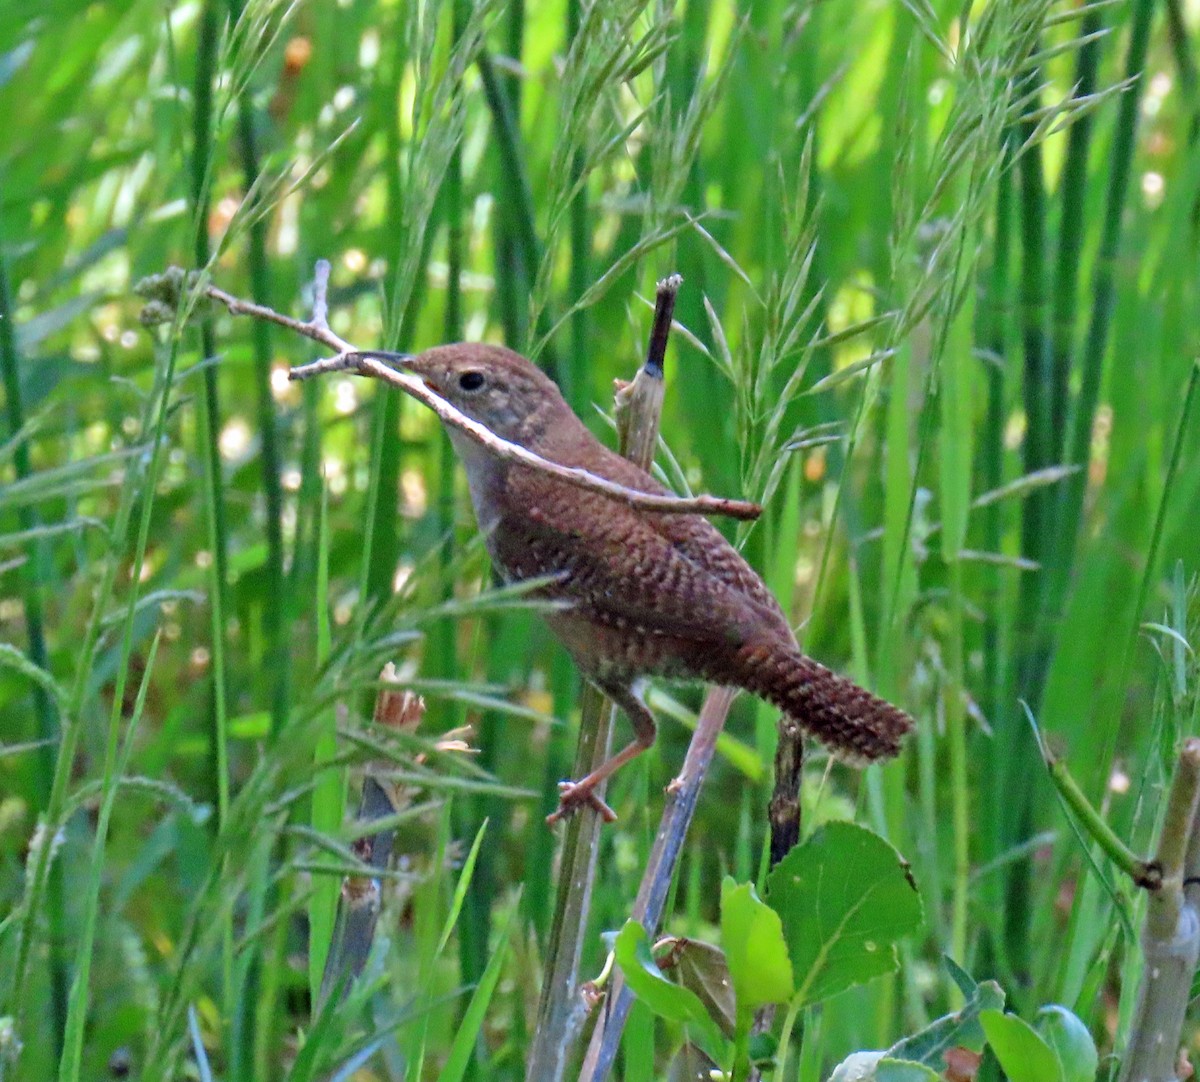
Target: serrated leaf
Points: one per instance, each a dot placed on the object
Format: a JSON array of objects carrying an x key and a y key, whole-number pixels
[
  {"x": 755, "y": 949},
  {"x": 1071, "y": 1041},
  {"x": 844, "y": 897},
  {"x": 1022, "y": 1053}
]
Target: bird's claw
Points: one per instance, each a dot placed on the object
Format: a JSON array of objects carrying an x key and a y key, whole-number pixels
[{"x": 573, "y": 795}]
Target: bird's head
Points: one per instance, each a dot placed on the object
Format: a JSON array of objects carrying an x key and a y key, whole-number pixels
[{"x": 492, "y": 385}]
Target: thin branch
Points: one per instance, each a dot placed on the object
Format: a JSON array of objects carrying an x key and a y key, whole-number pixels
[
  {"x": 1144, "y": 873},
  {"x": 367, "y": 363}
]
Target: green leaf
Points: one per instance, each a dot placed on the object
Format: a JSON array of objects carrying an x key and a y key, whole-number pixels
[
  {"x": 965, "y": 982},
  {"x": 665, "y": 998},
  {"x": 1022, "y": 1053},
  {"x": 857, "y": 1067},
  {"x": 958, "y": 1030},
  {"x": 462, "y": 1048},
  {"x": 763, "y": 1048},
  {"x": 844, "y": 897},
  {"x": 12, "y": 658},
  {"x": 899, "y": 1070},
  {"x": 1071, "y": 1041},
  {"x": 755, "y": 949},
  {"x": 460, "y": 891}
]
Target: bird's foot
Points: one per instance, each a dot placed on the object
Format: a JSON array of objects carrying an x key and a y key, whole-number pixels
[{"x": 572, "y": 795}]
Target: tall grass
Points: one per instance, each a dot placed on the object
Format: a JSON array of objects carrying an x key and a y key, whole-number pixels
[{"x": 938, "y": 272}]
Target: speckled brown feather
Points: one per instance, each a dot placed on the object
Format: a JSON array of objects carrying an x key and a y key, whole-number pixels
[{"x": 650, "y": 594}]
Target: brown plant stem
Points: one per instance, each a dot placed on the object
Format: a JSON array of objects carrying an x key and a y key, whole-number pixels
[
  {"x": 561, "y": 1009},
  {"x": 783, "y": 812},
  {"x": 361, "y": 898},
  {"x": 1171, "y": 937},
  {"x": 651, "y": 901}
]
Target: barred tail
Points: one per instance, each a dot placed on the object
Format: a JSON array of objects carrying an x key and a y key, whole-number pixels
[{"x": 855, "y": 725}]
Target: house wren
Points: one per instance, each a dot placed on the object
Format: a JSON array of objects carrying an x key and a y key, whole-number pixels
[{"x": 646, "y": 593}]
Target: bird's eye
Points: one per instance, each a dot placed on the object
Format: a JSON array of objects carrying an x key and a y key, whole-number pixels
[{"x": 471, "y": 381}]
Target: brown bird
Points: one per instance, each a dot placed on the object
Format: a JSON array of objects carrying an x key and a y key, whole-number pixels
[{"x": 647, "y": 594}]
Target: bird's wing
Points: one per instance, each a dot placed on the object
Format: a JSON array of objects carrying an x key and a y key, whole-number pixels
[
  {"x": 659, "y": 574},
  {"x": 699, "y": 540}
]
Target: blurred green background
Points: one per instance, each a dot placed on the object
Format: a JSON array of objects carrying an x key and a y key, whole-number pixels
[{"x": 940, "y": 266}]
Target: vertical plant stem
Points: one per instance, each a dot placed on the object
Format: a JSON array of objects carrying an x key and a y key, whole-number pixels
[
  {"x": 1037, "y": 381},
  {"x": 1073, "y": 193},
  {"x": 276, "y": 608},
  {"x": 515, "y": 186},
  {"x": 381, "y": 548},
  {"x": 995, "y": 662},
  {"x": 209, "y": 415},
  {"x": 275, "y": 613},
  {"x": 381, "y": 541},
  {"x": 474, "y": 920},
  {"x": 561, "y": 1012},
  {"x": 650, "y": 904},
  {"x": 956, "y": 731},
  {"x": 518, "y": 236},
  {"x": 512, "y": 157},
  {"x": 329, "y": 788},
  {"x": 783, "y": 812},
  {"x": 575, "y": 371},
  {"x": 1095, "y": 350},
  {"x": 513, "y": 271},
  {"x": 35, "y": 577},
  {"x": 1185, "y": 63},
  {"x": 1170, "y": 939},
  {"x": 1036, "y": 388},
  {"x": 208, "y": 430}
]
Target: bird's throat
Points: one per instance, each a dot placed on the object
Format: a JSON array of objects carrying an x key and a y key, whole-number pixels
[{"x": 485, "y": 478}]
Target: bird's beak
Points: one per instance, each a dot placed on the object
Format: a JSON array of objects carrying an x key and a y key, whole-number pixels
[{"x": 403, "y": 361}]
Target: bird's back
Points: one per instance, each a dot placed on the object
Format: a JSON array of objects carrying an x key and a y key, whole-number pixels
[{"x": 661, "y": 573}]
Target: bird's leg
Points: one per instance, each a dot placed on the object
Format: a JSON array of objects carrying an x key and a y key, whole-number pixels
[{"x": 574, "y": 793}]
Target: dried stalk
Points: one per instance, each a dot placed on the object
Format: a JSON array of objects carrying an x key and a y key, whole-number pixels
[
  {"x": 561, "y": 1010},
  {"x": 359, "y": 905},
  {"x": 656, "y": 880}
]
